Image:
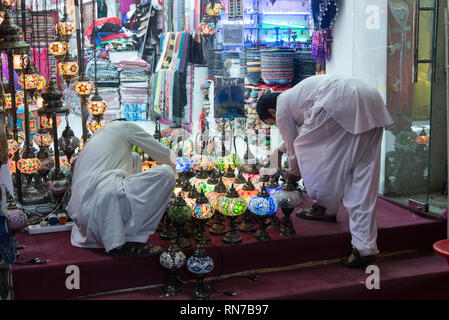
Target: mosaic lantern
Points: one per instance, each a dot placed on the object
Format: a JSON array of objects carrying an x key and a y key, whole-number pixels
[
  {"x": 59, "y": 182},
  {"x": 43, "y": 139},
  {"x": 229, "y": 176},
  {"x": 214, "y": 196},
  {"x": 95, "y": 125},
  {"x": 29, "y": 81},
  {"x": 65, "y": 27},
  {"x": 58, "y": 47},
  {"x": 200, "y": 179},
  {"x": 263, "y": 206},
  {"x": 207, "y": 27},
  {"x": 47, "y": 162},
  {"x": 202, "y": 162},
  {"x": 68, "y": 68},
  {"x": 172, "y": 259},
  {"x": 200, "y": 263},
  {"x": 232, "y": 205},
  {"x": 288, "y": 199},
  {"x": 247, "y": 191},
  {"x": 84, "y": 88},
  {"x": 215, "y": 10},
  {"x": 68, "y": 142},
  {"x": 13, "y": 147},
  {"x": 29, "y": 166},
  {"x": 183, "y": 164},
  {"x": 210, "y": 184},
  {"x": 19, "y": 99},
  {"x": 96, "y": 106},
  {"x": 222, "y": 163},
  {"x": 179, "y": 213}
]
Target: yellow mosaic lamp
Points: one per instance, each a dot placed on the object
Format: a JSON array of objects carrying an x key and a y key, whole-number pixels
[
  {"x": 84, "y": 88},
  {"x": 59, "y": 47}
]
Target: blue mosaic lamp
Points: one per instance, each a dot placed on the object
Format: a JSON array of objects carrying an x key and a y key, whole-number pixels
[
  {"x": 263, "y": 206},
  {"x": 288, "y": 199}
]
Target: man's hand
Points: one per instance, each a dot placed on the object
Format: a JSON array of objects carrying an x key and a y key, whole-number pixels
[{"x": 292, "y": 177}]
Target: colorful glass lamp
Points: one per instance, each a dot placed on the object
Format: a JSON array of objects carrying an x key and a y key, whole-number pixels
[
  {"x": 84, "y": 88},
  {"x": 172, "y": 260},
  {"x": 248, "y": 191},
  {"x": 263, "y": 206},
  {"x": 219, "y": 191},
  {"x": 202, "y": 211},
  {"x": 179, "y": 213},
  {"x": 232, "y": 205},
  {"x": 288, "y": 199}
]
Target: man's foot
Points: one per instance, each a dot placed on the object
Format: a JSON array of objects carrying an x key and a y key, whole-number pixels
[
  {"x": 317, "y": 212},
  {"x": 137, "y": 249},
  {"x": 355, "y": 260}
]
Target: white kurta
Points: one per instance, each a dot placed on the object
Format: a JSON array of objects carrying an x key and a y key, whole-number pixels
[
  {"x": 112, "y": 202},
  {"x": 332, "y": 128}
]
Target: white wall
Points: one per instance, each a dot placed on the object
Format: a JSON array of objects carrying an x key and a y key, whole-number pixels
[{"x": 360, "y": 48}]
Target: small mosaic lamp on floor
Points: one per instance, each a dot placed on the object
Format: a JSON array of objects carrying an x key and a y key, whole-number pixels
[
  {"x": 200, "y": 263},
  {"x": 179, "y": 213},
  {"x": 232, "y": 205},
  {"x": 263, "y": 206},
  {"x": 172, "y": 260},
  {"x": 288, "y": 199}
]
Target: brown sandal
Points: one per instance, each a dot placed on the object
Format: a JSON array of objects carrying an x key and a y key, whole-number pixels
[{"x": 317, "y": 212}]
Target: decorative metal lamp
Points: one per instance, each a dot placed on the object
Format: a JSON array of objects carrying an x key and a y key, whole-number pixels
[
  {"x": 83, "y": 87},
  {"x": 248, "y": 191},
  {"x": 288, "y": 199},
  {"x": 200, "y": 263},
  {"x": 200, "y": 179},
  {"x": 229, "y": 176},
  {"x": 172, "y": 259},
  {"x": 219, "y": 191},
  {"x": 263, "y": 206},
  {"x": 232, "y": 205},
  {"x": 179, "y": 213},
  {"x": 68, "y": 141},
  {"x": 68, "y": 68},
  {"x": 59, "y": 47}
]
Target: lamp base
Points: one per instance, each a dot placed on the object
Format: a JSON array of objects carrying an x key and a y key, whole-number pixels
[
  {"x": 247, "y": 227},
  {"x": 183, "y": 242},
  {"x": 173, "y": 287},
  {"x": 287, "y": 228},
  {"x": 262, "y": 236},
  {"x": 200, "y": 292},
  {"x": 275, "y": 222},
  {"x": 232, "y": 237},
  {"x": 218, "y": 229}
]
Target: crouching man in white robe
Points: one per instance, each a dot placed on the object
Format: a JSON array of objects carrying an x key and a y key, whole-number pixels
[
  {"x": 332, "y": 129},
  {"x": 114, "y": 205}
]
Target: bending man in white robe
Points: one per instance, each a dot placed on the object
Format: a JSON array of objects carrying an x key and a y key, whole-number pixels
[
  {"x": 113, "y": 204},
  {"x": 332, "y": 129}
]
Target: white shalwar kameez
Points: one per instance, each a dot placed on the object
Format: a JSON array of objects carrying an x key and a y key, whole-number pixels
[
  {"x": 332, "y": 128},
  {"x": 113, "y": 202}
]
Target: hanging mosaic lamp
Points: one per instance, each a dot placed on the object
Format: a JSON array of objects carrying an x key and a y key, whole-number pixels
[
  {"x": 68, "y": 142},
  {"x": 84, "y": 88},
  {"x": 29, "y": 164},
  {"x": 19, "y": 99},
  {"x": 97, "y": 107},
  {"x": 43, "y": 139},
  {"x": 65, "y": 27},
  {"x": 94, "y": 125},
  {"x": 215, "y": 9},
  {"x": 68, "y": 68},
  {"x": 207, "y": 28},
  {"x": 59, "y": 47},
  {"x": 263, "y": 206}
]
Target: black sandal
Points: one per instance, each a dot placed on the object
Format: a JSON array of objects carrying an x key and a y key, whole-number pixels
[
  {"x": 137, "y": 249},
  {"x": 317, "y": 212},
  {"x": 359, "y": 261}
]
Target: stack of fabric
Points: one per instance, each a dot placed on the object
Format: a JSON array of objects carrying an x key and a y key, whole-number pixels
[
  {"x": 110, "y": 33},
  {"x": 107, "y": 73},
  {"x": 134, "y": 71},
  {"x": 111, "y": 96}
]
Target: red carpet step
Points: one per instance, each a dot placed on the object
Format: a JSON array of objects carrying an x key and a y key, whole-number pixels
[
  {"x": 398, "y": 228},
  {"x": 407, "y": 276}
]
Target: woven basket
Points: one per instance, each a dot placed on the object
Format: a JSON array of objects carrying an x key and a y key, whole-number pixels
[{"x": 277, "y": 65}]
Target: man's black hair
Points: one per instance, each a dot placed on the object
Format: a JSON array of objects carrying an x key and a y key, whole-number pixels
[{"x": 266, "y": 102}]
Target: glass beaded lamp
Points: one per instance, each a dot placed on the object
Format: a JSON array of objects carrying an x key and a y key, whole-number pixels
[
  {"x": 29, "y": 165},
  {"x": 232, "y": 205},
  {"x": 192, "y": 196},
  {"x": 215, "y": 9},
  {"x": 172, "y": 260},
  {"x": 214, "y": 196},
  {"x": 273, "y": 186},
  {"x": 59, "y": 47},
  {"x": 179, "y": 213},
  {"x": 68, "y": 68},
  {"x": 97, "y": 107},
  {"x": 288, "y": 199},
  {"x": 65, "y": 27},
  {"x": 19, "y": 99},
  {"x": 251, "y": 172},
  {"x": 13, "y": 147},
  {"x": 43, "y": 139},
  {"x": 202, "y": 211},
  {"x": 247, "y": 191},
  {"x": 229, "y": 176},
  {"x": 202, "y": 162},
  {"x": 263, "y": 206},
  {"x": 207, "y": 27},
  {"x": 68, "y": 141},
  {"x": 84, "y": 88}
]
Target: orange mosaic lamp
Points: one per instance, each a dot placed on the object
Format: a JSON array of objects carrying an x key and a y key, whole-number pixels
[
  {"x": 95, "y": 125},
  {"x": 29, "y": 81},
  {"x": 43, "y": 139},
  {"x": 84, "y": 88},
  {"x": 65, "y": 27},
  {"x": 13, "y": 146},
  {"x": 19, "y": 99},
  {"x": 29, "y": 165},
  {"x": 58, "y": 47},
  {"x": 12, "y": 166},
  {"x": 96, "y": 106}
]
